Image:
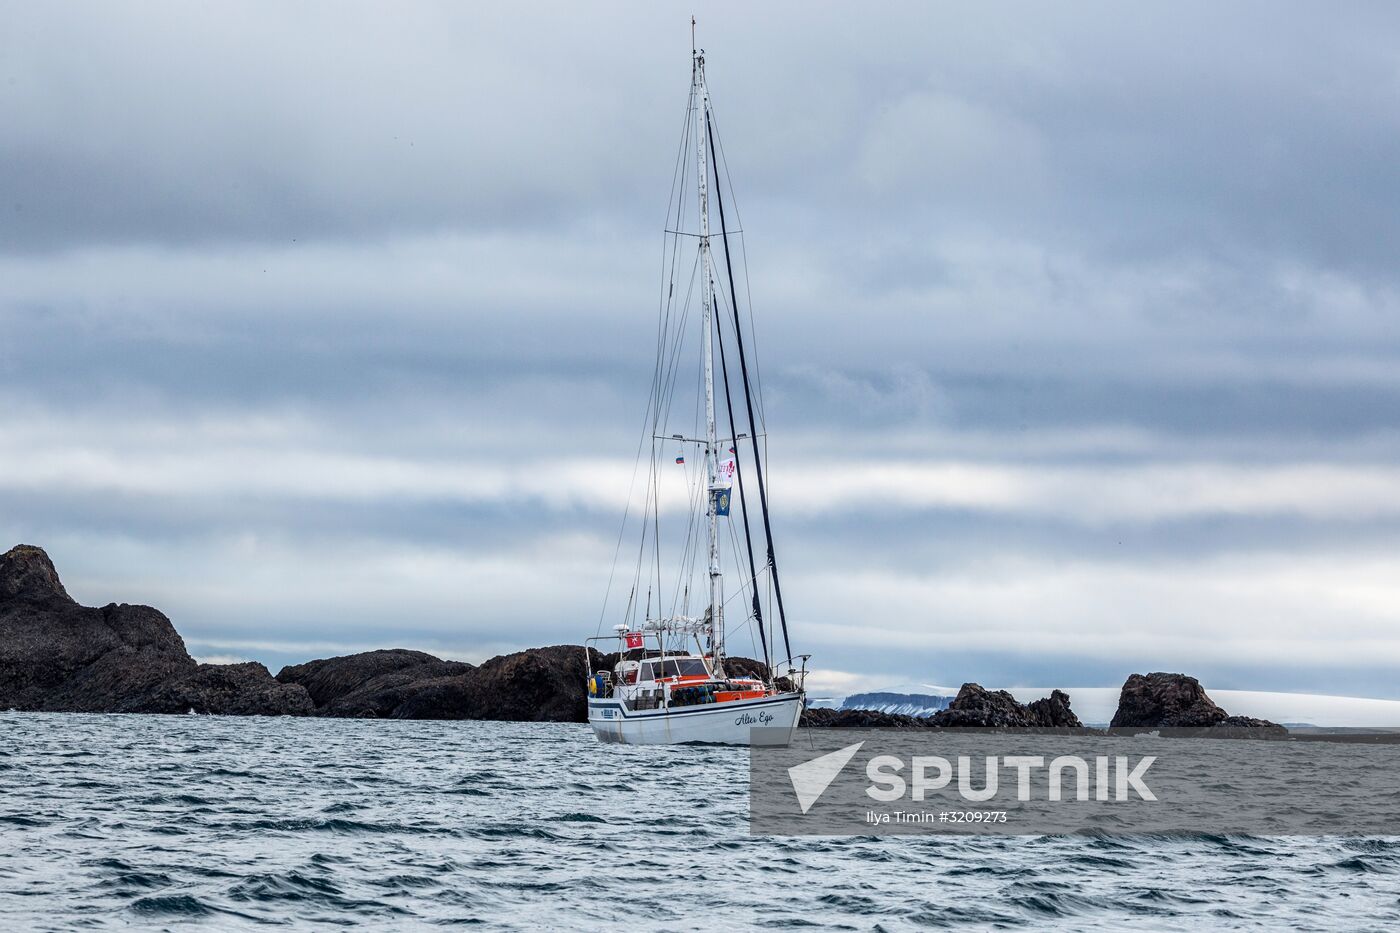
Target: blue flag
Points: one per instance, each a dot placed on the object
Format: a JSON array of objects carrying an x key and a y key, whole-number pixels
[{"x": 721, "y": 501}]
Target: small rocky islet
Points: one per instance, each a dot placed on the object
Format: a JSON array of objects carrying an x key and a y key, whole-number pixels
[{"x": 59, "y": 656}]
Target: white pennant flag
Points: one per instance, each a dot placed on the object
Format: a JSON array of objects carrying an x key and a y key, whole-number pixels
[{"x": 724, "y": 474}]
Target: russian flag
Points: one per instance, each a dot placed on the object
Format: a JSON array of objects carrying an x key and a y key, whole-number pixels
[{"x": 680, "y": 458}]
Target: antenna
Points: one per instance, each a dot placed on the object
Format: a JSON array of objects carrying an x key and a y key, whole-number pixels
[{"x": 692, "y": 36}]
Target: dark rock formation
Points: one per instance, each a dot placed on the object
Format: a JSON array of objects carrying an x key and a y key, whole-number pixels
[
  {"x": 58, "y": 655},
  {"x": 1247, "y": 727},
  {"x": 1170, "y": 700},
  {"x": 977, "y": 707},
  {"x": 1175, "y": 701},
  {"x": 745, "y": 667},
  {"x": 536, "y": 685},
  {"x": 374, "y": 684},
  {"x": 858, "y": 718},
  {"x": 245, "y": 689},
  {"x": 27, "y": 573},
  {"x": 1248, "y": 722},
  {"x": 1053, "y": 712}
]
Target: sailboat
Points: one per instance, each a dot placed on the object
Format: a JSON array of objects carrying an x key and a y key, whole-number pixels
[{"x": 664, "y": 675}]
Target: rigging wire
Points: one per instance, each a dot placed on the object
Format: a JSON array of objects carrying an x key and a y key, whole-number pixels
[
  {"x": 748, "y": 398},
  {"x": 668, "y": 286},
  {"x": 721, "y": 161},
  {"x": 739, "y": 475}
]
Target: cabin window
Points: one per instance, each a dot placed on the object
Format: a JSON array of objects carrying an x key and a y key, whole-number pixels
[{"x": 675, "y": 667}]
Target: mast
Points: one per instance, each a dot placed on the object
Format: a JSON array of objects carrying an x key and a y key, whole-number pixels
[{"x": 716, "y": 610}]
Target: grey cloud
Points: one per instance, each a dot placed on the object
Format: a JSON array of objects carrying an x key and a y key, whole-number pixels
[{"x": 1231, "y": 132}]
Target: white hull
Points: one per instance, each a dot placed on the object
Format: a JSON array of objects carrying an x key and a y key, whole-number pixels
[{"x": 713, "y": 723}]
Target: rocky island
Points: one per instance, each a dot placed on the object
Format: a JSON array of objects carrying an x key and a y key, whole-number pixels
[
  {"x": 1178, "y": 702},
  {"x": 56, "y": 655}
]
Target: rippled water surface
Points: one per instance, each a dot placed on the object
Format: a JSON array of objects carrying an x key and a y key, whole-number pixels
[{"x": 149, "y": 821}]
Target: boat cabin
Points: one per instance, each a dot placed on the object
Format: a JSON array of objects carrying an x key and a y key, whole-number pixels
[{"x": 673, "y": 680}]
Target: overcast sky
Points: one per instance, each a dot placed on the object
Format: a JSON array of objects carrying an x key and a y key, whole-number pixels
[{"x": 328, "y": 327}]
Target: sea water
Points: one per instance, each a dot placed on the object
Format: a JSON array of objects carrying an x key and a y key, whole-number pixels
[{"x": 166, "y": 821}]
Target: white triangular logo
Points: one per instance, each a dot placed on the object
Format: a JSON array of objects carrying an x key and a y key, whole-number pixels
[{"x": 811, "y": 778}]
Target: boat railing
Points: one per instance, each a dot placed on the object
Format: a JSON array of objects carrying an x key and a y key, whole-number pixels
[
  {"x": 796, "y": 674},
  {"x": 652, "y": 636}
]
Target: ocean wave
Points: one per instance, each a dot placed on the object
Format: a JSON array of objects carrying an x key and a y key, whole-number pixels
[{"x": 239, "y": 823}]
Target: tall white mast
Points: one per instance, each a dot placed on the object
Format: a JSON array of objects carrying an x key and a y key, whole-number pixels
[{"x": 707, "y": 291}]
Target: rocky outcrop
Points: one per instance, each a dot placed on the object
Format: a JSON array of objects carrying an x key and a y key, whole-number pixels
[
  {"x": 979, "y": 708},
  {"x": 245, "y": 689},
  {"x": 536, "y": 685},
  {"x": 1176, "y": 701},
  {"x": 745, "y": 667},
  {"x": 384, "y": 684},
  {"x": 26, "y": 573},
  {"x": 57, "y": 655},
  {"x": 858, "y": 718},
  {"x": 1171, "y": 700},
  {"x": 1248, "y": 722},
  {"x": 1053, "y": 712},
  {"x": 975, "y": 706}
]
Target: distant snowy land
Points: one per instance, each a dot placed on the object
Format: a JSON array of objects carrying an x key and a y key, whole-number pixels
[{"x": 903, "y": 704}]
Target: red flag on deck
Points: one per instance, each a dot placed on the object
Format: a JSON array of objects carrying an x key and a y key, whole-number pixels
[{"x": 634, "y": 639}]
